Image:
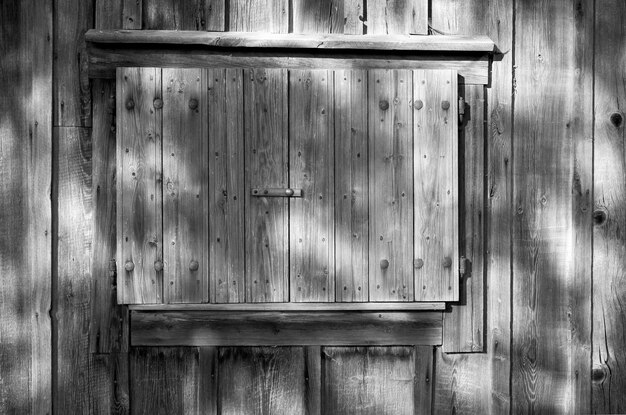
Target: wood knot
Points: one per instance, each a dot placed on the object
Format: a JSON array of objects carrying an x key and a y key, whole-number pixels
[
  {"x": 617, "y": 119},
  {"x": 157, "y": 103},
  {"x": 130, "y": 104},
  {"x": 383, "y": 105},
  {"x": 158, "y": 266},
  {"x": 129, "y": 266},
  {"x": 193, "y": 103},
  {"x": 599, "y": 217},
  {"x": 418, "y": 263},
  {"x": 384, "y": 264}
]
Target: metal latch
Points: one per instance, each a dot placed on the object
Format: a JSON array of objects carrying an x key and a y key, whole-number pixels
[{"x": 276, "y": 192}]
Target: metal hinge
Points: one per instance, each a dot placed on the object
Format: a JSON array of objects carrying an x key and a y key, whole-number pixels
[
  {"x": 461, "y": 109},
  {"x": 462, "y": 266}
]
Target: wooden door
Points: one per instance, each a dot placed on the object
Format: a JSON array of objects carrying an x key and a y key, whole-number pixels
[{"x": 371, "y": 157}]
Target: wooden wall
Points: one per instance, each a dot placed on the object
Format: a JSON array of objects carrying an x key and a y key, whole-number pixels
[{"x": 542, "y": 324}]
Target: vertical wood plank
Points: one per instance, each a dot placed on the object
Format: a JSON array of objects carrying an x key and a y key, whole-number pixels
[
  {"x": 26, "y": 137},
  {"x": 609, "y": 242},
  {"x": 351, "y": 186},
  {"x": 551, "y": 273},
  {"x": 265, "y": 110},
  {"x": 435, "y": 151},
  {"x": 397, "y": 17},
  {"x": 227, "y": 186},
  {"x": 479, "y": 383},
  {"x": 139, "y": 192},
  {"x": 71, "y": 80},
  {"x": 262, "y": 380},
  {"x": 368, "y": 380},
  {"x": 108, "y": 384},
  {"x": 183, "y": 15},
  {"x": 313, "y": 379},
  {"x": 258, "y": 16},
  {"x": 72, "y": 296},
  {"x": 207, "y": 386},
  {"x": 390, "y": 185},
  {"x": 311, "y": 217},
  {"x": 464, "y": 325},
  {"x": 185, "y": 185},
  {"x": 322, "y": 16},
  {"x": 131, "y": 14},
  {"x": 165, "y": 380},
  {"x": 424, "y": 373}
]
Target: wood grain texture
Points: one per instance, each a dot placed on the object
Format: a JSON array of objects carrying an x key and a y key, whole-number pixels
[
  {"x": 261, "y": 380},
  {"x": 227, "y": 186},
  {"x": 464, "y": 325},
  {"x": 73, "y": 285},
  {"x": 308, "y": 307},
  {"x": 243, "y": 328},
  {"x": 552, "y": 181},
  {"x": 311, "y": 161},
  {"x": 258, "y": 16},
  {"x": 267, "y": 256},
  {"x": 325, "y": 16},
  {"x": 165, "y": 380},
  {"x": 436, "y": 198},
  {"x": 109, "y": 322},
  {"x": 185, "y": 186},
  {"x": 131, "y": 14},
  {"x": 139, "y": 186},
  {"x": 109, "y": 391},
  {"x": 183, "y": 15},
  {"x": 71, "y": 90},
  {"x": 609, "y": 243},
  {"x": 424, "y": 379},
  {"x": 103, "y": 61},
  {"x": 397, "y": 17},
  {"x": 351, "y": 186},
  {"x": 479, "y": 45},
  {"x": 368, "y": 380},
  {"x": 390, "y": 185},
  {"x": 26, "y": 224},
  {"x": 479, "y": 383}
]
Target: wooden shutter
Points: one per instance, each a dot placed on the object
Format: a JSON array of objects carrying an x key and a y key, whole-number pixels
[{"x": 374, "y": 152}]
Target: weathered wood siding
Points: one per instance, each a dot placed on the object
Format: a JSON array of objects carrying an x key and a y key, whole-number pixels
[{"x": 547, "y": 153}]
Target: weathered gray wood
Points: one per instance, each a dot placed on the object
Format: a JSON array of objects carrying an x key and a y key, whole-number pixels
[
  {"x": 311, "y": 161},
  {"x": 183, "y": 15},
  {"x": 313, "y": 379},
  {"x": 376, "y": 42},
  {"x": 390, "y": 185},
  {"x": 132, "y": 14},
  {"x": 71, "y": 84},
  {"x": 265, "y": 105},
  {"x": 351, "y": 187},
  {"x": 322, "y": 16},
  {"x": 139, "y": 186},
  {"x": 609, "y": 241},
  {"x": 109, "y": 391},
  {"x": 185, "y": 186},
  {"x": 109, "y": 321},
  {"x": 397, "y": 17},
  {"x": 73, "y": 280},
  {"x": 436, "y": 170},
  {"x": 262, "y": 380},
  {"x": 479, "y": 383},
  {"x": 208, "y": 383},
  {"x": 259, "y": 16},
  {"x": 368, "y": 380},
  {"x": 26, "y": 206},
  {"x": 165, "y": 380},
  {"x": 103, "y": 61},
  {"x": 312, "y": 307},
  {"x": 552, "y": 182},
  {"x": 464, "y": 324},
  {"x": 227, "y": 186},
  {"x": 198, "y": 328},
  {"x": 423, "y": 381}
]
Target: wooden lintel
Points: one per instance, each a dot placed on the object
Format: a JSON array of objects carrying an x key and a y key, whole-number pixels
[
  {"x": 300, "y": 307},
  {"x": 384, "y": 43},
  {"x": 273, "y": 328}
]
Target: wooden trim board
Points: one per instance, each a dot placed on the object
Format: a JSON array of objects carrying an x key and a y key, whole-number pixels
[
  {"x": 299, "y": 307},
  {"x": 273, "y": 328},
  {"x": 103, "y": 59},
  {"x": 384, "y": 43}
]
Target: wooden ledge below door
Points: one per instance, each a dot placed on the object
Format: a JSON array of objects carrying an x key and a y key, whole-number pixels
[{"x": 211, "y": 327}]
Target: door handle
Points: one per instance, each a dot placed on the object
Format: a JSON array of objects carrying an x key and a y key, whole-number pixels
[{"x": 276, "y": 192}]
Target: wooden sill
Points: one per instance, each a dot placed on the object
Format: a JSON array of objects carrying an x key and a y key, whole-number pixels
[
  {"x": 280, "y": 328},
  {"x": 384, "y": 43},
  {"x": 296, "y": 307}
]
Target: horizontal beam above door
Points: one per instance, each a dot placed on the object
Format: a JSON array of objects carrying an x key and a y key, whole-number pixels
[
  {"x": 372, "y": 43},
  {"x": 273, "y": 328}
]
